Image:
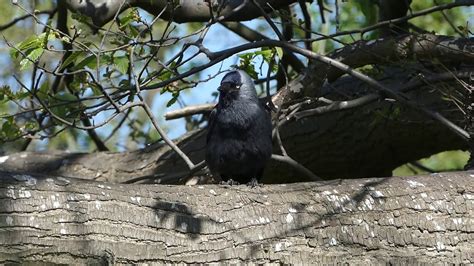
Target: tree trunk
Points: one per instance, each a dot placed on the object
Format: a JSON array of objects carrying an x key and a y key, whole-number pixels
[{"x": 396, "y": 220}]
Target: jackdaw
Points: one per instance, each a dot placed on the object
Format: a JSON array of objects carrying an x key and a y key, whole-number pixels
[{"x": 239, "y": 138}]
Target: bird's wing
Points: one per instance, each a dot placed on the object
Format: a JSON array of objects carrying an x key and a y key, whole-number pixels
[{"x": 211, "y": 122}]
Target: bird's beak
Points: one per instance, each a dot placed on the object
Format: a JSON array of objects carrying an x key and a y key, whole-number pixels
[{"x": 223, "y": 87}]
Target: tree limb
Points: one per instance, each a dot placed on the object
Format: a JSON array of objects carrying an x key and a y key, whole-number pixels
[
  {"x": 190, "y": 110},
  {"x": 16, "y": 20},
  {"x": 102, "y": 11},
  {"x": 397, "y": 220}
]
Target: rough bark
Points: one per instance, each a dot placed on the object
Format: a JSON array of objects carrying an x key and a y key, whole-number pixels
[
  {"x": 423, "y": 219},
  {"x": 102, "y": 11},
  {"x": 405, "y": 49}
]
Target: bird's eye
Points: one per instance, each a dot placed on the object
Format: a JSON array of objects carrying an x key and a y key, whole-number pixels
[{"x": 230, "y": 86}]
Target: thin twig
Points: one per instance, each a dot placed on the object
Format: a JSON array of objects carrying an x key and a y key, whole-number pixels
[
  {"x": 269, "y": 72},
  {"x": 164, "y": 135},
  {"x": 307, "y": 24},
  {"x": 253, "y": 35},
  {"x": 280, "y": 143},
  {"x": 119, "y": 125},
  {"x": 73, "y": 124},
  {"x": 297, "y": 166},
  {"x": 450, "y": 22},
  {"x": 13, "y": 22},
  {"x": 373, "y": 83},
  {"x": 366, "y": 99},
  {"x": 422, "y": 167},
  {"x": 269, "y": 21},
  {"x": 397, "y": 20},
  {"x": 321, "y": 10}
]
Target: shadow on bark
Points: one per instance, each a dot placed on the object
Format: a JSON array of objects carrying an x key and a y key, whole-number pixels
[
  {"x": 185, "y": 221},
  {"x": 365, "y": 193}
]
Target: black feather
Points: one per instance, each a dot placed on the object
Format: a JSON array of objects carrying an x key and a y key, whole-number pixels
[{"x": 239, "y": 139}]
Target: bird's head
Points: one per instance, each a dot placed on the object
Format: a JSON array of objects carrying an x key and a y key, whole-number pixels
[{"x": 237, "y": 85}]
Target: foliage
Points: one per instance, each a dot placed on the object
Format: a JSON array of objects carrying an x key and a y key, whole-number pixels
[{"x": 441, "y": 162}]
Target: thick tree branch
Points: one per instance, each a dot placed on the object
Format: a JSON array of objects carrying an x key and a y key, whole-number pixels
[
  {"x": 102, "y": 11},
  {"x": 423, "y": 219},
  {"x": 445, "y": 49},
  {"x": 368, "y": 98}
]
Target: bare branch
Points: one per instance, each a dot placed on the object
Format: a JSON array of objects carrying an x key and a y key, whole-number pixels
[
  {"x": 190, "y": 110},
  {"x": 13, "y": 22},
  {"x": 372, "y": 221},
  {"x": 102, "y": 11},
  {"x": 288, "y": 160},
  {"x": 165, "y": 136},
  {"x": 420, "y": 13},
  {"x": 252, "y": 35}
]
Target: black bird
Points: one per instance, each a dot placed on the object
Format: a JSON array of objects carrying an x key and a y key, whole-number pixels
[{"x": 239, "y": 139}]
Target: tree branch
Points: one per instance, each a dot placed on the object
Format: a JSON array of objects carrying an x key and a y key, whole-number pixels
[
  {"x": 252, "y": 35},
  {"x": 102, "y": 11},
  {"x": 13, "y": 22},
  {"x": 190, "y": 110},
  {"x": 397, "y": 220}
]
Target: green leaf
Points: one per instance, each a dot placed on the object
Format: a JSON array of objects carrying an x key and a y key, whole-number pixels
[
  {"x": 369, "y": 9},
  {"x": 90, "y": 61},
  {"x": 65, "y": 97},
  {"x": 172, "y": 101},
  {"x": 133, "y": 30},
  {"x": 66, "y": 105},
  {"x": 175, "y": 95},
  {"x": 127, "y": 19},
  {"x": 32, "y": 43},
  {"x": 10, "y": 129},
  {"x": 247, "y": 60},
  {"x": 266, "y": 53},
  {"x": 25, "y": 63},
  {"x": 71, "y": 58},
  {"x": 29, "y": 43},
  {"x": 43, "y": 91},
  {"x": 279, "y": 52},
  {"x": 124, "y": 84},
  {"x": 5, "y": 93},
  {"x": 247, "y": 65},
  {"x": 165, "y": 75},
  {"x": 31, "y": 125},
  {"x": 121, "y": 62},
  {"x": 82, "y": 18},
  {"x": 125, "y": 22},
  {"x": 31, "y": 57}
]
